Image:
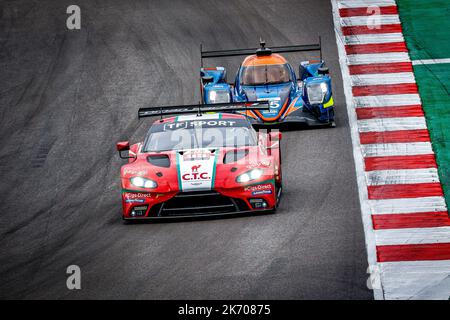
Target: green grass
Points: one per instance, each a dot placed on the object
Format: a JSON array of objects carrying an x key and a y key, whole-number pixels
[{"x": 426, "y": 26}]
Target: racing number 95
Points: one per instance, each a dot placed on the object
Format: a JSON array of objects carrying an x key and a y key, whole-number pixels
[{"x": 236, "y": 309}]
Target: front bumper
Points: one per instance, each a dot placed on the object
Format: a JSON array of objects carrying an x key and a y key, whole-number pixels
[
  {"x": 198, "y": 216},
  {"x": 300, "y": 117},
  {"x": 252, "y": 198}
]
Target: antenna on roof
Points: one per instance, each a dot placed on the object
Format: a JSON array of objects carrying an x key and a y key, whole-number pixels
[
  {"x": 262, "y": 43},
  {"x": 262, "y": 50}
]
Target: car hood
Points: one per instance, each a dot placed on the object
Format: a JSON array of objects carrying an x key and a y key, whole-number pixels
[{"x": 196, "y": 169}]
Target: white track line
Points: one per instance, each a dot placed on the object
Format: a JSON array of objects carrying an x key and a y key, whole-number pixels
[
  {"x": 357, "y": 155},
  {"x": 387, "y": 100},
  {"x": 374, "y": 38},
  {"x": 382, "y": 78},
  {"x": 396, "y": 149},
  {"x": 412, "y": 236},
  {"x": 388, "y": 57},
  {"x": 392, "y": 124},
  {"x": 414, "y": 205},
  {"x": 363, "y": 3},
  {"x": 430, "y": 61},
  {"x": 367, "y": 20},
  {"x": 383, "y": 177},
  {"x": 424, "y": 279}
]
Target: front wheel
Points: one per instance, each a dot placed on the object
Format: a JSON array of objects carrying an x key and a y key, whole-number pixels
[{"x": 278, "y": 193}]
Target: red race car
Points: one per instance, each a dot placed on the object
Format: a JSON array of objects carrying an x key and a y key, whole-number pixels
[{"x": 211, "y": 162}]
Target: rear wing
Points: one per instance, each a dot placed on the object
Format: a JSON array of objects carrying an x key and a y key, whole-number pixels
[
  {"x": 262, "y": 50},
  {"x": 201, "y": 108}
]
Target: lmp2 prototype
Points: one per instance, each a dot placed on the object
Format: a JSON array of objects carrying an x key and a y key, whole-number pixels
[
  {"x": 201, "y": 164},
  {"x": 266, "y": 75}
]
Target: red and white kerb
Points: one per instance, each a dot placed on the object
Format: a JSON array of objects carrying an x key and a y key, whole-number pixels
[{"x": 406, "y": 222}]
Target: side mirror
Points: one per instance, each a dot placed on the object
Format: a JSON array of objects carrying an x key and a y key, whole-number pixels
[
  {"x": 302, "y": 72},
  {"x": 123, "y": 146},
  {"x": 207, "y": 79},
  {"x": 323, "y": 70}
]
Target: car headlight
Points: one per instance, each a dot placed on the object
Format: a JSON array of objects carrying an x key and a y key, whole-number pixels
[
  {"x": 218, "y": 96},
  {"x": 143, "y": 183},
  {"x": 251, "y": 175},
  {"x": 317, "y": 92}
]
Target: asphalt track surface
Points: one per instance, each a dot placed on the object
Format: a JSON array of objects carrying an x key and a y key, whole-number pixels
[{"x": 68, "y": 96}]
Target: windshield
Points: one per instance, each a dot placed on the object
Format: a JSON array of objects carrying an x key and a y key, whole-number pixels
[
  {"x": 196, "y": 134},
  {"x": 264, "y": 74}
]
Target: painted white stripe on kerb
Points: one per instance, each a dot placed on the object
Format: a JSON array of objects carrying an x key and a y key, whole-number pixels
[
  {"x": 436, "y": 290},
  {"x": 383, "y": 177},
  {"x": 412, "y": 236},
  {"x": 370, "y": 20},
  {"x": 392, "y": 124},
  {"x": 415, "y": 279},
  {"x": 374, "y": 38},
  {"x": 386, "y": 57},
  {"x": 430, "y": 61},
  {"x": 396, "y": 149},
  {"x": 365, "y": 3},
  {"x": 414, "y": 205},
  {"x": 393, "y": 100},
  {"x": 382, "y": 78}
]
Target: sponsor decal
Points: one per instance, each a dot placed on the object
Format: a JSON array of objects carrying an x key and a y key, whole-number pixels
[
  {"x": 197, "y": 155},
  {"x": 137, "y": 195},
  {"x": 198, "y": 124},
  {"x": 259, "y": 187},
  {"x": 133, "y": 171},
  {"x": 196, "y": 170},
  {"x": 274, "y": 104},
  {"x": 134, "y": 200},
  {"x": 257, "y": 165},
  {"x": 195, "y": 174},
  {"x": 260, "y": 192}
]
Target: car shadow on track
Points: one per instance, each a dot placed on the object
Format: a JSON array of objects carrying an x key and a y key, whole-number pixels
[
  {"x": 286, "y": 127},
  {"x": 199, "y": 218}
]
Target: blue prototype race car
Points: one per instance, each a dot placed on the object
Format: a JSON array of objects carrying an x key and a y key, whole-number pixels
[{"x": 265, "y": 75}]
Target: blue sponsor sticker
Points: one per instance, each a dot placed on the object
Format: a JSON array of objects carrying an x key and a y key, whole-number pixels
[
  {"x": 134, "y": 200},
  {"x": 259, "y": 192}
]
